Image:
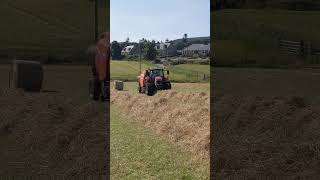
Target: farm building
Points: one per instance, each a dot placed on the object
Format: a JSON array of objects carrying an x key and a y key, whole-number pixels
[
  {"x": 166, "y": 49},
  {"x": 201, "y": 50},
  {"x": 129, "y": 50}
]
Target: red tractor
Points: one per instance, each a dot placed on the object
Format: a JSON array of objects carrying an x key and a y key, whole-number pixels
[{"x": 152, "y": 80}]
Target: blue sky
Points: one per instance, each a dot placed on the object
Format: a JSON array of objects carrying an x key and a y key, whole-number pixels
[{"x": 159, "y": 19}]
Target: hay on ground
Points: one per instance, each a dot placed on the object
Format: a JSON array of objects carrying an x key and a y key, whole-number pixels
[
  {"x": 182, "y": 118},
  {"x": 56, "y": 135},
  {"x": 265, "y": 138}
]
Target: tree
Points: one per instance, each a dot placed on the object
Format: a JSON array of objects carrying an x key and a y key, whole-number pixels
[
  {"x": 115, "y": 50},
  {"x": 185, "y": 37},
  {"x": 151, "y": 52},
  {"x": 181, "y": 45}
]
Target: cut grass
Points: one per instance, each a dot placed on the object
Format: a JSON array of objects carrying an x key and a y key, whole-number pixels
[
  {"x": 128, "y": 71},
  {"x": 136, "y": 153}
]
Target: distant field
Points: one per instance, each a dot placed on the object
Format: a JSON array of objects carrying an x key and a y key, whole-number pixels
[
  {"x": 128, "y": 71},
  {"x": 267, "y": 82},
  {"x": 178, "y": 87},
  {"x": 253, "y": 34}
]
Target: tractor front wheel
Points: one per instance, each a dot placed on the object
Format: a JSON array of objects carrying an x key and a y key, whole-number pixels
[
  {"x": 150, "y": 89},
  {"x": 167, "y": 86}
]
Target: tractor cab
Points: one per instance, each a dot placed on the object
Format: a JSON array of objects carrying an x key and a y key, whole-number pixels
[{"x": 153, "y": 78}]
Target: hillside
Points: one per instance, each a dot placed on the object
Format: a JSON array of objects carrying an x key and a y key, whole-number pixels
[
  {"x": 253, "y": 34},
  {"x": 193, "y": 40}
]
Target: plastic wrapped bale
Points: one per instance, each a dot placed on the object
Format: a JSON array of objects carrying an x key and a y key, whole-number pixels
[
  {"x": 118, "y": 85},
  {"x": 27, "y": 75}
]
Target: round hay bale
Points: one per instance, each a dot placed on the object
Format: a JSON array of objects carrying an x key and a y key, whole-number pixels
[
  {"x": 118, "y": 85},
  {"x": 27, "y": 75}
]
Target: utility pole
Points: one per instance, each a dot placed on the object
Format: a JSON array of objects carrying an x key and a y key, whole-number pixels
[
  {"x": 140, "y": 56},
  {"x": 96, "y": 20}
]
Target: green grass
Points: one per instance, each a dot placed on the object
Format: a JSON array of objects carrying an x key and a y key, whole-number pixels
[
  {"x": 128, "y": 71},
  {"x": 137, "y": 153},
  {"x": 241, "y": 33},
  {"x": 189, "y": 72}
]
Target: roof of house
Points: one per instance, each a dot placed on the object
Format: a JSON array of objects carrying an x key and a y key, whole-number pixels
[
  {"x": 128, "y": 48},
  {"x": 198, "y": 47}
]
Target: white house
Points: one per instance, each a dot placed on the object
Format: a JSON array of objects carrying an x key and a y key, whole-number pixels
[
  {"x": 126, "y": 51},
  {"x": 162, "y": 46}
]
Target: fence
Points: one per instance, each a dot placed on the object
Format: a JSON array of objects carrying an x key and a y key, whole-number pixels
[
  {"x": 292, "y": 47},
  {"x": 300, "y": 48}
]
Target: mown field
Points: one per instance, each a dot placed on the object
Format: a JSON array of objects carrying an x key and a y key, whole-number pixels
[
  {"x": 187, "y": 146},
  {"x": 138, "y": 153},
  {"x": 177, "y": 133},
  {"x": 253, "y": 35},
  {"x": 58, "y": 30},
  {"x": 129, "y": 70}
]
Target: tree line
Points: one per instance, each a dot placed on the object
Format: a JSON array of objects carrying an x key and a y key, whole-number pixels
[
  {"x": 145, "y": 47},
  {"x": 304, "y": 5}
]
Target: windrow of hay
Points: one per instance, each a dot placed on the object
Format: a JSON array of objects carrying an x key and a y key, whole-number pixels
[
  {"x": 265, "y": 137},
  {"x": 56, "y": 135},
  {"x": 182, "y": 118}
]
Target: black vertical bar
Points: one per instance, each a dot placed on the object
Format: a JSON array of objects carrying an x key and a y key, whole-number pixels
[{"x": 96, "y": 20}]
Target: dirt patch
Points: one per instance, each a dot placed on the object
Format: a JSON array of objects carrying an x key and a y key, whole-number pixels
[
  {"x": 261, "y": 137},
  {"x": 56, "y": 135},
  {"x": 182, "y": 118}
]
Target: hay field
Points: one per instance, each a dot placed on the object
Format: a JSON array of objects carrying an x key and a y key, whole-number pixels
[
  {"x": 265, "y": 124},
  {"x": 180, "y": 118}
]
